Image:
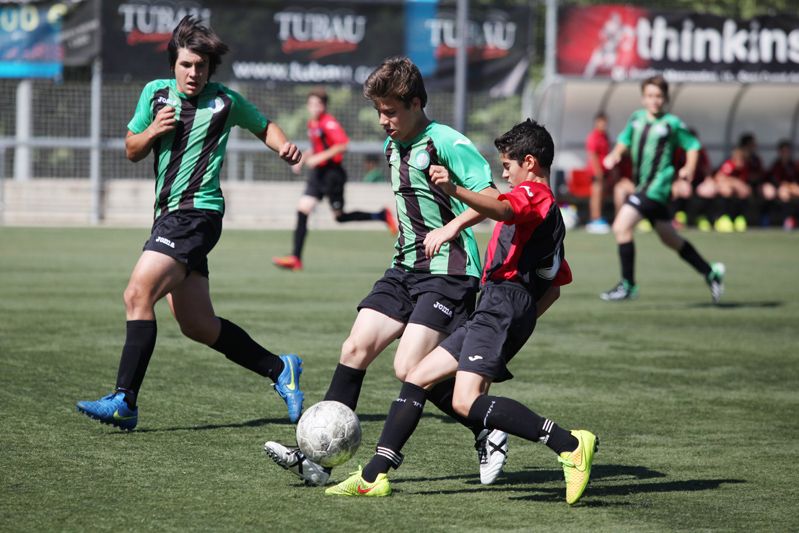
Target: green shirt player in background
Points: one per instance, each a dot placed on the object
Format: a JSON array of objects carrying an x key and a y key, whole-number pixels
[
  {"x": 430, "y": 288},
  {"x": 185, "y": 122},
  {"x": 651, "y": 135}
]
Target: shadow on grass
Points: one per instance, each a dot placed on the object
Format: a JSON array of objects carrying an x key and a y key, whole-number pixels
[
  {"x": 606, "y": 480},
  {"x": 740, "y": 305}
]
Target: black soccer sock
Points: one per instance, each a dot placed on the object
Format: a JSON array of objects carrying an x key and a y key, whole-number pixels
[
  {"x": 360, "y": 215},
  {"x": 441, "y": 397},
  {"x": 627, "y": 257},
  {"x": 136, "y": 353},
  {"x": 300, "y": 232},
  {"x": 239, "y": 347},
  {"x": 690, "y": 255},
  {"x": 402, "y": 419},
  {"x": 345, "y": 387},
  {"x": 495, "y": 412}
]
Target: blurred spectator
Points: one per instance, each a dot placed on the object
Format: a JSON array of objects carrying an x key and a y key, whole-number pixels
[
  {"x": 732, "y": 184},
  {"x": 597, "y": 146},
  {"x": 783, "y": 176},
  {"x": 691, "y": 198}
]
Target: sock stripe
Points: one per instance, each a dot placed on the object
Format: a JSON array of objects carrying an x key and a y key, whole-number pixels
[{"x": 394, "y": 457}]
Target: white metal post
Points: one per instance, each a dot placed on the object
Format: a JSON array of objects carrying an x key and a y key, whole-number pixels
[
  {"x": 461, "y": 64},
  {"x": 95, "y": 177},
  {"x": 22, "y": 154}
]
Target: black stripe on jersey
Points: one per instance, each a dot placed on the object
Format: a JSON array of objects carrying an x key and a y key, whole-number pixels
[
  {"x": 457, "y": 254},
  {"x": 401, "y": 236},
  {"x": 157, "y": 103},
  {"x": 210, "y": 143},
  {"x": 413, "y": 209},
  {"x": 641, "y": 144},
  {"x": 659, "y": 149},
  {"x": 179, "y": 143}
]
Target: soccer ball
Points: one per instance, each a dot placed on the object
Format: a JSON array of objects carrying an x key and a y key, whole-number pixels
[{"x": 329, "y": 433}]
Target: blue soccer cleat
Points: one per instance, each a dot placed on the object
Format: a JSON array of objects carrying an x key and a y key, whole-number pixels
[
  {"x": 288, "y": 385},
  {"x": 111, "y": 409}
]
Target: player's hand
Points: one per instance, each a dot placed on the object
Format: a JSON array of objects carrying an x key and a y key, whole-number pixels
[
  {"x": 164, "y": 122},
  {"x": 296, "y": 168},
  {"x": 610, "y": 160},
  {"x": 684, "y": 173},
  {"x": 290, "y": 153},
  {"x": 440, "y": 177},
  {"x": 437, "y": 238}
]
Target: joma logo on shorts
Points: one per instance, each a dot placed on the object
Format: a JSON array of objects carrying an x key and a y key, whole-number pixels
[
  {"x": 443, "y": 308},
  {"x": 164, "y": 240}
]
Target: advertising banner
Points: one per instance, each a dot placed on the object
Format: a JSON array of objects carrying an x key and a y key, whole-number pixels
[
  {"x": 319, "y": 42},
  {"x": 29, "y": 46},
  {"x": 623, "y": 43}
]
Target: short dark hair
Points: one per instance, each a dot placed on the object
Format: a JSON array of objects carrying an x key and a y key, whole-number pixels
[
  {"x": 783, "y": 143},
  {"x": 600, "y": 115},
  {"x": 319, "y": 92},
  {"x": 746, "y": 139},
  {"x": 191, "y": 34},
  {"x": 397, "y": 77},
  {"x": 659, "y": 82},
  {"x": 528, "y": 137}
]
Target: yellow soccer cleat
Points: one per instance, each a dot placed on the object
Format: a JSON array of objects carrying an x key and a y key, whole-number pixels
[
  {"x": 355, "y": 485},
  {"x": 577, "y": 464}
]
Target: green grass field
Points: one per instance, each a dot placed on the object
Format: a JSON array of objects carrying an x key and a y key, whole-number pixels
[{"x": 696, "y": 406}]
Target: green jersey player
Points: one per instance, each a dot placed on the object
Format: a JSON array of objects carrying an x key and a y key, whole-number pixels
[
  {"x": 651, "y": 135},
  {"x": 185, "y": 122}
]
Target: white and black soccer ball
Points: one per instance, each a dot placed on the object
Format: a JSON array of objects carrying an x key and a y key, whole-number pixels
[
  {"x": 329, "y": 433},
  {"x": 570, "y": 216}
]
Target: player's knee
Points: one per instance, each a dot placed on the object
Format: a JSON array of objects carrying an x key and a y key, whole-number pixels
[
  {"x": 135, "y": 298},
  {"x": 352, "y": 354},
  {"x": 195, "y": 331},
  {"x": 462, "y": 404}
]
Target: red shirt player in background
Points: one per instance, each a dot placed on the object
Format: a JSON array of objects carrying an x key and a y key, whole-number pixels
[
  {"x": 783, "y": 177},
  {"x": 691, "y": 197},
  {"x": 732, "y": 184},
  {"x": 328, "y": 143},
  {"x": 597, "y": 145}
]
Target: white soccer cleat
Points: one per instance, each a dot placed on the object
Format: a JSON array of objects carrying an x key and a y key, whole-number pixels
[
  {"x": 492, "y": 452},
  {"x": 293, "y": 460}
]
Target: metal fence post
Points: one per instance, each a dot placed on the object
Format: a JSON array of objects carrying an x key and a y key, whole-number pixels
[
  {"x": 22, "y": 155},
  {"x": 95, "y": 177}
]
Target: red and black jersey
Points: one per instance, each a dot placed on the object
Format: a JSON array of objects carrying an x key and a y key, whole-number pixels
[
  {"x": 528, "y": 249},
  {"x": 325, "y": 132},
  {"x": 784, "y": 172},
  {"x": 734, "y": 170}
]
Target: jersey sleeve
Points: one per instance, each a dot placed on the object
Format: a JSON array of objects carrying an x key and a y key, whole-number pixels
[
  {"x": 685, "y": 138},
  {"x": 530, "y": 203},
  {"x": 727, "y": 168},
  {"x": 464, "y": 162},
  {"x": 334, "y": 132},
  {"x": 591, "y": 145},
  {"x": 244, "y": 114},
  {"x": 564, "y": 275},
  {"x": 143, "y": 116},
  {"x": 626, "y": 135}
]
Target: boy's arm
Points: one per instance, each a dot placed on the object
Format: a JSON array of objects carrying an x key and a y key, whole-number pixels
[
  {"x": 315, "y": 160},
  {"x": 436, "y": 238},
  {"x": 614, "y": 157},
  {"x": 138, "y": 145},
  {"x": 691, "y": 159},
  {"x": 547, "y": 299},
  {"x": 274, "y": 139},
  {"x": 485, "y": 204}
]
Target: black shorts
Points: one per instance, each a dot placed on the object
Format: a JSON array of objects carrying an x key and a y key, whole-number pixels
[
  {"x": 188, "y": 236},
  {"x": 328, "y": 181},
  {"x": 503, "y": 321},
  {"x": 649, "y": 208},
  {"x": 436, "y": 301}
]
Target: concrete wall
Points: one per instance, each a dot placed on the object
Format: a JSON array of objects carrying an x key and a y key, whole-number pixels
[{"x": 262, "y": 205}]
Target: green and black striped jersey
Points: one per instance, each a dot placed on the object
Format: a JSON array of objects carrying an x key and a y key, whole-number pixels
[
  {"x": 422, "y": 207},
  {"x": 651, "y": 142},
  {"x": 188, "y": 159}
]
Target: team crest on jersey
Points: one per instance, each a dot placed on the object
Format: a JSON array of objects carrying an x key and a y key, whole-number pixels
[
  {"x": 216, "y": 105},
  {"x": 422, "y": 160},
  {"x": 660, "y": 130}
]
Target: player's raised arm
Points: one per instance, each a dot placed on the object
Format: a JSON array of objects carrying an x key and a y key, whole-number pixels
[{"x": 274, "y": 139}]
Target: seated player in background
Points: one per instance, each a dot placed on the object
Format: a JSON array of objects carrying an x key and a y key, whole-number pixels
[
  {"x": 733, "y": 193},
  {"x": 784, "y": 177},
  {"x": 524, "y": 269},
  {"x": 691, "y": 197}
]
